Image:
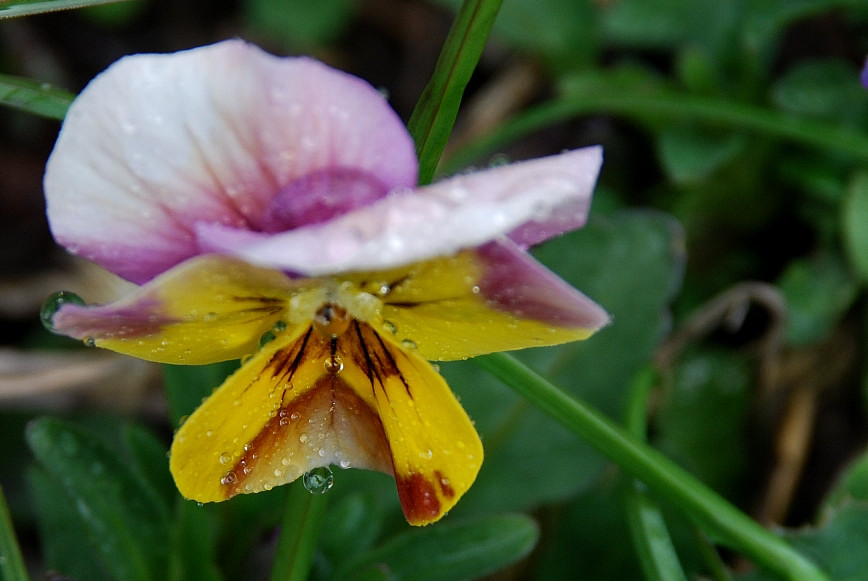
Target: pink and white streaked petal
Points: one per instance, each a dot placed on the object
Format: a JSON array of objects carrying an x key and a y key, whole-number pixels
[
  {"x": 528, "y": 201},
  {"x": 159, "y": 143},
  {"x": 514, "y": 282}
]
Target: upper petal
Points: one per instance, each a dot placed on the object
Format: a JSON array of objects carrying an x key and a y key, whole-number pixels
[
  {"x": 529, "y": 201},
  {"x": 159, "y": 143}
]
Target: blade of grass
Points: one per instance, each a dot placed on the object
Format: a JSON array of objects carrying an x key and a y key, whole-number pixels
[
  {"x": 647, "y": 527},
  {"x": 34, "y": 97},
  {"x": 299, "y": 534},
  {"x": 432, "y": 119},
  {"x": 11, "y": 562},
  {"x": 13, "y": 8},
  {"x": 609, "y": 96},
  {"x": 729, "y": 525}
]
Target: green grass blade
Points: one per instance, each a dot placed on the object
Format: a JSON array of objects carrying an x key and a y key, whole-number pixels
[
  {"x": 647, "y": 527},
  {"x": 34, "y": 97},
  {"x": 299, "y": 534},
  {"x": 717, "y": 516},
  {"x": 11, "y": 562},
  {"x": 435, "y": 113},
  {"x": 13, "y": 8}
]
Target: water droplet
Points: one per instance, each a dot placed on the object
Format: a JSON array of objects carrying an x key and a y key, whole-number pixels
[
  {"x": 266, "y": 338},
  {"x": 408, "y": 344},
  {"x": 319, "y": 480},
  {"x": 345, "y": 463},
  {"x": 475, "y": 289},
  {"x": 498, "y": 159},
  {"x": 279, "y": 326},
  {"x": 209, "y": 317},
  {"x": 384, "y": 290},
  {"x": 390, "y": 327},
  {"x": 333, "y": 364},
  {"x": 89, "y": 341},
  {"x": 225, "y": 458},
  {"x": 427, "y": 454},
  {"x": 229, "y": 478},
  {"x": 302, "y": 438},
  {"x": 53, "y": 304},
  {"x": 294, "y": 416}
]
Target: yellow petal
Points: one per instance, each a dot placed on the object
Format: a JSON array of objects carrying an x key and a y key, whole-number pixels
[
  {"x": 307, "y": 400},
  {"x": 436, "y": 452},
  {"x": 210, "y": 308},
  {"x": 440, "y": 306}
]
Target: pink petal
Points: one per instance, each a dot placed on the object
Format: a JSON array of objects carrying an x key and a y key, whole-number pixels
[
  {"x": 529, "y": 201},
  {"x": 160, "y": 143},
  {"x": 513, "y": 281}
]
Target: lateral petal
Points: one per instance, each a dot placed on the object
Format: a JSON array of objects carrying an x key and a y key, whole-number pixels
[
  {"x": 210, "y": 308},
  {"x": 529, "y": 201},
  {"x": 494, "y": 298},
  {"x": 159, "y": 143}
]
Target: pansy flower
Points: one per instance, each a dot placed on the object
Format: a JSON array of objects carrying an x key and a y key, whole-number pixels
[{"x": 268, "y": 209}]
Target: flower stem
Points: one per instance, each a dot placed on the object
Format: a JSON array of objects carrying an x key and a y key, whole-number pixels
[
  {"x": 726, "y": 523},
  {"x": 299, "y": 534}
]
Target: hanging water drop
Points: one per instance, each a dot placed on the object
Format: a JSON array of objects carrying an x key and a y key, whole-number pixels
[
  {"x": 333, "y": 364},
  {"x": 319, "y": 480},
  {"x": 53, "y": 304}
]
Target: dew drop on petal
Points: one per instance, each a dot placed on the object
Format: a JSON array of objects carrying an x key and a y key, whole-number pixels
[
  {"x": 333, "y": 364},
  {"x": 319, "y": 480},
  {"x": 408, "y": 344},
  {"x": 390, "y": 327},
  {"x": 225, "y": 458},
  {"x": 53, "y": 303},
  {"x": 229, "y": 478}
]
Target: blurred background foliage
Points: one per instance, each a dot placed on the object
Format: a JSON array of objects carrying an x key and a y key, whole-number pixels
[{"x": 729, "y": 239}]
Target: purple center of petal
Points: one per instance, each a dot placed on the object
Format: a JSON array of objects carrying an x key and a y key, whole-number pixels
[{"x": 321, "y": 196}]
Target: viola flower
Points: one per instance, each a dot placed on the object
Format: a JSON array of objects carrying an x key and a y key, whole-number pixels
[{"x": 267, "y": 207}]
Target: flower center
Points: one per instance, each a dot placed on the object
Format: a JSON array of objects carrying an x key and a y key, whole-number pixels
[{"x": 321, "y": 196}]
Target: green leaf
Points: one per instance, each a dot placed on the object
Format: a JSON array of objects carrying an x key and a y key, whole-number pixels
[
  {"x": 34, "y": 97},
  {"x": 818, "y": 292},
  {"x": 64, "y": 548},
  {"x": 194, "y": 544},
  {"x": 452, "y": 550},
  {"x": 824, "y": 89},
  {"x": 432, "y": 119},
  {"x": 839, "y": 545},
  {"x": 708, "y": 403},
  {"x": 125, "y": 523},
  {"x": 12, "y": 566},
  {"x": 151, "y": 464},
  {"x": 188, "y": 385},
  {"x": 691, "y": 154},
  {"x": 854, "y": 217},
  {"x": 300, "y": 23},
  {"x": 12, "y": 8}
]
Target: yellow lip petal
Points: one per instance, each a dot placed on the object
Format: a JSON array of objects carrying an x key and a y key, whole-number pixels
[
  {"x": 436, "y": 452},
  {"x": 309, "y": 400}
]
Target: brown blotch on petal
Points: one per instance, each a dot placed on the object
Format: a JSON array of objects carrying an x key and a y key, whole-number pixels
[
  {"x": 418, "y": 498},
  {"x": 445, "y": 486}
]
